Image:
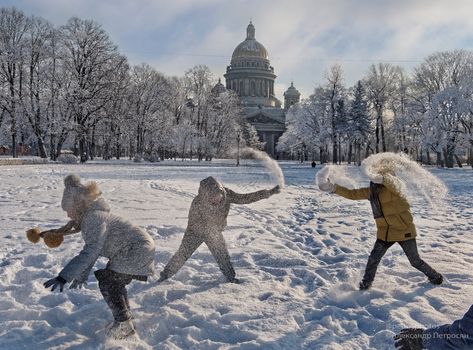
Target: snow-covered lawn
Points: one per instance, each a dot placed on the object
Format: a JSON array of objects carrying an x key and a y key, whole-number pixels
[{"x": 300, "y": 255}]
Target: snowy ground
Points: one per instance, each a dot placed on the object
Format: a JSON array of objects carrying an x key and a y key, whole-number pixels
[{"x": 300, "y": 255}]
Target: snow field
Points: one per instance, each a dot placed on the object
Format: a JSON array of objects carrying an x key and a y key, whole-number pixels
[{"x": 300, "y": 255}]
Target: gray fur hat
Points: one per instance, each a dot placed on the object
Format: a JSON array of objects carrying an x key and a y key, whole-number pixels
[{"x": 75, "y": 192}]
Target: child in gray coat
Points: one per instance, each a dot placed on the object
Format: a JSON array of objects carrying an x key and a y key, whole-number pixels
[
  {"x": 130, "y": 251},
  {"x": 207, "y": 219}
]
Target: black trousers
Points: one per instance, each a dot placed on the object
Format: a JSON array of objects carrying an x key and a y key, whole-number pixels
[
  {"x": 410, "y": 249},
  {"x": 191, "y": 241},
  {"x": 112, "y": 285}
]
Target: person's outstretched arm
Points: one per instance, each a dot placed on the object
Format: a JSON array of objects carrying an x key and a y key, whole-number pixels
[
  {"x": 355, "y": 194},
  {"x": 94, "y": 226},
  {"x": 247, "y": 198}
]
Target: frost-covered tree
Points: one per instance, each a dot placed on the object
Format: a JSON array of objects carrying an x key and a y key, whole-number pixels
[
  {"x": 304, "y": 128},
  {"x": 442, "y": 91},
  {"x": 381, "y": 84},
  {"x": 223, "y": 124},
  {"x": 13, "y": 27},
  {"x": 115, "y": 124},
  {"x": 90, "y": 60},
  {"x": 335, "y": 94},
  {"x": 198, "y": 85},
  {"x": 36, "y": 96},
  {"x": 359, "y": 121},
  {"x": 148, "y": 91}
]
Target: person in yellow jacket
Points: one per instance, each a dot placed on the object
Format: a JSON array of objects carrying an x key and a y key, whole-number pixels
[{"x": 394, "y": 223}]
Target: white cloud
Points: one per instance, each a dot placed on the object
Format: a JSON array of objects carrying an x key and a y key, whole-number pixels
[{"x": 303, "y": 37}]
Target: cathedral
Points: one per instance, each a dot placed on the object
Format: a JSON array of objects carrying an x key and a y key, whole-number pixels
[{"x": 252, "y": 77}]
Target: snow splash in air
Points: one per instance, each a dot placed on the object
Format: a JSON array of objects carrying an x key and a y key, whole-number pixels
[
  {"x": 269, "y": 163},
  {"x": 413, "y": 181},
  {"x": 336, "y": 175}
]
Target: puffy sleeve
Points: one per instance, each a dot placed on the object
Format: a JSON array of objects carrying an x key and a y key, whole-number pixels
[
  {"x": 356, "y": 194},
  {"x": 458, "y": 335},
  {"x": 246, "y": 198},
  {"x": 93, "y": 230}
]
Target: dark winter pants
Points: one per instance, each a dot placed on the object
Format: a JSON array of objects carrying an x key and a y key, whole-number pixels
[
  {"x": 410, "y": 249},
  {"x": 191, "y": 241},
  {"x": 112, "y": 285}
]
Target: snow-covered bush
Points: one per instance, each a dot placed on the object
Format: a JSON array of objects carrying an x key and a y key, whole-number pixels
[
  {"x": 67, "y": 159},
  {"x": 153, "y": 158}
]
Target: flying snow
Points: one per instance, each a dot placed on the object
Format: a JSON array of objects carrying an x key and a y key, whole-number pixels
[{"x": 270, "y": 164}]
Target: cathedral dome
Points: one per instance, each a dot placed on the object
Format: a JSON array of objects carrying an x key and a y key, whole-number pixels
[
  {"x": 292, "y": 91},
  {"x": 250, "y": 48}
]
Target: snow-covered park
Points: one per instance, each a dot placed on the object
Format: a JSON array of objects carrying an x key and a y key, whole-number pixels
[{"x": 300, "y": 255}]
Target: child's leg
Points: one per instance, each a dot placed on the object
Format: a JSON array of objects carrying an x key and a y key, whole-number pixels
[
  {"x": 380, "y": 248},
  {"x": 218, "y": 248},
  {"x": 188, "y": 246},
  {"x": 410, "y": 249},
  {"x": 112, "y": 285}
]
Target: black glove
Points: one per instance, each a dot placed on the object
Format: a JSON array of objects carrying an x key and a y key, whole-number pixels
[
  {"x": 275, "y": 190},
  {"x": 55, "y": 282},
  {"x": 410, "y": 339},
  {"x": 77, "y": 284}
]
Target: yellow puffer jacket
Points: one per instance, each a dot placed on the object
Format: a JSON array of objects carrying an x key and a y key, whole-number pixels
[{"x": 397, "y": 223}]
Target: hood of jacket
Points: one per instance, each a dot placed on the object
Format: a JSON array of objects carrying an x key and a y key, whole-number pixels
[
  {"x": 210, "y": 188},
  {"x": 99, "y": 205}
]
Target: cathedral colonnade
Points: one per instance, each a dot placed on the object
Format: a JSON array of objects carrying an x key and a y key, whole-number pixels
[{"x": 252, "y": 87}]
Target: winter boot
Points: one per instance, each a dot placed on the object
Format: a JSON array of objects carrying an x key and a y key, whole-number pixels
[
  {"x": 438, "y": 280},
  {"x": 162, "y": 277},
  {"x": 234, "y": 280},
  {"x": 121, "y": 330},
  {"x": 364, "y": 285}
]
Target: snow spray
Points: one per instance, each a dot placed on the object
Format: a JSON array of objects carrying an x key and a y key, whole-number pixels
[
  {"x": 412, "y": 180},
  {"x": 269, "y": 163},
  {"x": 336, "y": 175}
]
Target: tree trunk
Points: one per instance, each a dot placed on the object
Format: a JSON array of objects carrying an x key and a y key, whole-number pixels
[
  {"x": 471, "y": 156},
  {"x": 42, "y": 148},
  {"x": 92, "y": 146},
  {"x": 52, "y": 147},
  {"x": 83, "y": 148},
  {"x": 383, "y": 138},
  {"x": 350, "y": 152},
  {"x": 448, "y": 156},
  {"x": 377, "y": 134},
  {"x": 459, "y": 163}
]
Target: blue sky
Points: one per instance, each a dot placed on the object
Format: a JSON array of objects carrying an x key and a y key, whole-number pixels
[{"x": 303, "y": 37}]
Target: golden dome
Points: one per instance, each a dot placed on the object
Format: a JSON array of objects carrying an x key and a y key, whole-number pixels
[{"x": 250, "y": 48}]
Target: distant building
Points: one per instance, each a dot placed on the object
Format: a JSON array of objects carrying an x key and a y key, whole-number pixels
[{"x": 252, "y": 77}]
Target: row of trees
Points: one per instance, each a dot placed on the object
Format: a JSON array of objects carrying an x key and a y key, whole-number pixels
[
  {"x": 428, "y": 114},
  {"x": 69, "y": 86}
]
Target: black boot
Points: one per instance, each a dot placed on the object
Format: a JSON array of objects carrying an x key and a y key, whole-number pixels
[
  {"x": 365, "y": 285},
  {"x": 437, "y": 280},
  {"x": 234, "y": 280}
]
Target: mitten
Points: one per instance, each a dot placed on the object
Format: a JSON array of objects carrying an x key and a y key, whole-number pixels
[
  {"x": 55, "y": 283},
  {"x": 327, "y": 187},
  {"x": 76, "y": 284},
  {"x": 410, "y": 339},
  {"x": 275, "y": 190}
]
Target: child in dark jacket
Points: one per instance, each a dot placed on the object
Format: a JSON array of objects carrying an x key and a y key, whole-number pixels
[
  {"x": 207, "y": 219},
  {"x": 394, "y": 223},
  {"x": 130, "y": 251}
]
